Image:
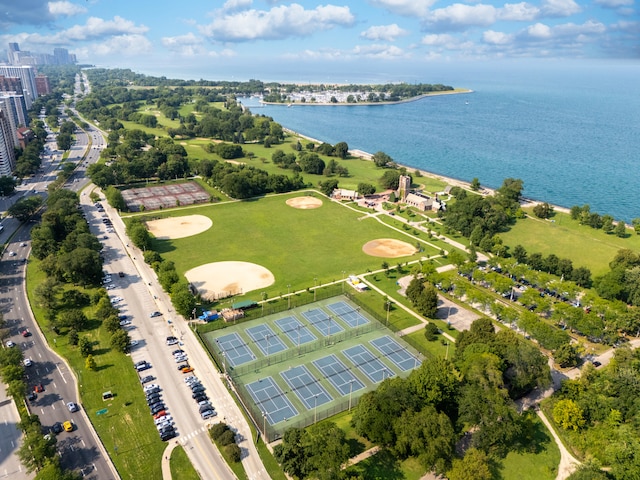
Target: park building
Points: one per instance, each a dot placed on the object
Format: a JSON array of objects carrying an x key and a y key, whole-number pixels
[{"x": 417, "y": 199}]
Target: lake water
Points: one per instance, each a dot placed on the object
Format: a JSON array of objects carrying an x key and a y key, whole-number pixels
[{"x": 572, "y": 137}]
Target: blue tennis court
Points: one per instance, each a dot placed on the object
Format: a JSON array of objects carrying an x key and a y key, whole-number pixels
[
  {"x": 271, "y": 401},
  {"x": 297, "y": 332},
  {"x": 368, "y": 364},
  {"x": 234, "y": 349},
  {"x": 266, "y": 339},
  {"x": 306, "y": 387},
  {"x": 348, "y": 314},
  {"x": 322, "y": 322},
  {"x": 395, "y": 352},
  {"x": 337, "y": 373}
]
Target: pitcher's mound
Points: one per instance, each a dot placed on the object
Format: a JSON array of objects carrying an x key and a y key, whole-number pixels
[
  {"x": 304, "y": 202},
  {"x": 388, "y": 248},
  {"x": 223, "y": 279},
  {"x": 179, "y": 227}
]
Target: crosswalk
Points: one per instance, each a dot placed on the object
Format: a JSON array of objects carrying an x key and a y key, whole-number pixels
[{"x": 184, "y": 439}]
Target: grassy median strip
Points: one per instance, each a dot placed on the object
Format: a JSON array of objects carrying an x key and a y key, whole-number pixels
[
  {"x": 181, "y": 467},
  {"x": 123, "y": 423}
]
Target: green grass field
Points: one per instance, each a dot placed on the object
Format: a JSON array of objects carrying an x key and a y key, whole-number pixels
[
  {"x": 566, "y": 238},
  {"x": 126, "y": 428},
  {"x": 181, "y": 466},
  {"x": 296, "y": 245}
]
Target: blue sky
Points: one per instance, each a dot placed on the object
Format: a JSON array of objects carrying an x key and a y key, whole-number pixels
[{"x": 272, "y": 39}]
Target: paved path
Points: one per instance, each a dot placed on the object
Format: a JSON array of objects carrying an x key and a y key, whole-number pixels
[
  {"x": 166, "y": 460},
  {"x": 568, "y": 462}
]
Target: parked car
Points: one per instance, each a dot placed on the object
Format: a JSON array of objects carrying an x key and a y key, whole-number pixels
[
  {"x": 208, "y": 414},
  {"x": 147, "y": 379},
  {"x": 155, "y": 314}
]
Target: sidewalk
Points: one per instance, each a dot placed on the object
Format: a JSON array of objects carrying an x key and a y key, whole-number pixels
[{"x": 166, "y": 460}]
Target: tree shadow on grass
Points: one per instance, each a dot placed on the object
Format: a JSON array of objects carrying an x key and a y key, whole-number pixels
[
  {"x": 381, "y": 466},
  {"x": 534, "y": 437},
  {"x": 356, "y": 447}
]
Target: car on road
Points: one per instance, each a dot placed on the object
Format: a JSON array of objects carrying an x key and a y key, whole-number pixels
[
  {"x": 25, "y": 332},
  {"x": 596, "y": 363},
  {"x": 23, "y": 244},
  {"x": 68, "y": 426},
  {"x": 38, "y": 388},
  {"x": 172, "y": 341},
  {"x": 56, "y": 428},
  {"x": 142, "y": 366},
  {"x": 10, "y": 343},
  {"x": 72, "y": 407},
  {"x": 27, "y": 362},
  {"x": 155, "y": 314},
  {"x": 32, "y": 396},
  {"x": 12, "y": 254}
]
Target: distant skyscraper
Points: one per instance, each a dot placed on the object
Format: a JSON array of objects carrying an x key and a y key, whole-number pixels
[
  {"x": 13, "y": 107},
  {"x": 7, "y": 150},
  {"x": 13, "y": 54},
  {"x": 28, "y": 78},
  {"x": 61, "y": 56}
]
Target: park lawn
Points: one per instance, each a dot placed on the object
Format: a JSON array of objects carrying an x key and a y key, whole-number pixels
[
  {"x": 296, "y": 245},
  {"x": 181, "y": 466},
  {"x": 268, "y": 460},
  {"x": 433, "y": 349},
  {"x": 159, "y": 131},
  {"x": 126, "y": 429},
  {"x": 540, "y": 463},
  {"x": 162, "y": 118},
  {"x": 566, "y": 238},
  {"x": 383, "y": 465}
]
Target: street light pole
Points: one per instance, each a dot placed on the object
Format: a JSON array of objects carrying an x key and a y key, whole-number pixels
[
  {"x": 388, "y": 308},
  {"x": 264, "y": 427},
  {"x": 315, "y": 409},
  {"x": 315, "y": 287},
  {"x": 289, "y": 296},
  {"x": 343, "y": 274}
]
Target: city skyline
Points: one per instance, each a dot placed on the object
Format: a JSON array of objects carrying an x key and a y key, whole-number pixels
[{"x": 265, "y": 38}]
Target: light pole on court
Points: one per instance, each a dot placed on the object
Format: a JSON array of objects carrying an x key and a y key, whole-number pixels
[
  {"x": 315, "y": 408},
  {"x": 350, "y": 390},
  {"x": 264, "y": 427},
  {"x": 343, "y": 274}
]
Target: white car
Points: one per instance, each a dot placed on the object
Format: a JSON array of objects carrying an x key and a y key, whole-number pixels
[
  {"x": 111, "y": 286},
  {"x": 190, "y": 379},
  {"x": 180, "y": 358},
  {"x": 27, "y": 362},
  {"x": 151, "y": 386},
  {"x": 12, "y": 254},
  {"x": 133, "y": 343},
  {"x": 11, "y": 343},
  {"x": 164, "y": 418}
]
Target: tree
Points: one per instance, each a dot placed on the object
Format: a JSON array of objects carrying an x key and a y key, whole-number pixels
[
  {"x": 46, "y": 293},
  {"x": 120, "y": 341},
  {"x": 328, "y": 186},
  {"x": 25, "y": 207},
  {"x": 85, "y": 346},
  {"x": 621, "y": 229},
  {"x": 568, "y": 414},
  {"x": 366, "y": 189},
  {"x": 291, "y": 454},
  {"x": 328, "y": 450},
  {"x": 543, "y": 210},
  {"x": 431, "y": 332},
  {"x": 475, "y": 465},
  {"x": 90, "y": 363},
  {"x": 566, "y": 356},
  {"x": 341, "y": 149},
  {"x": 475, "y": 184},
  {"x": 390, "y": 179},
  {"x": 74, "y": 318},
  {"x": 115, "y": 198},
  {"x": 381, "y": 159},
  {"x": 111, "y": 323},
  {"x": 7, "y": 185}
]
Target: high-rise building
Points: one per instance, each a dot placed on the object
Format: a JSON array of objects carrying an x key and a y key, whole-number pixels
[
  {"x": 61, "y": 56},
  {"x": 8, "y": 106},
  {"x": 28, "y": 78},
  {"x": 7, "y": 150},
  {"x": 42, "y": 85},
  {"x": 13, "y": 54},
  {"x": 11, "y": 84}
]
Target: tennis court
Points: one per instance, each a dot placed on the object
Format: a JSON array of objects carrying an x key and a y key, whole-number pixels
[
  {"x": 372, "y": 367},
  {"x": 326, "y": 325},
  {"x": 336, "y": 372},
  {"x": 271, "y": 400},
  {"x": 266, "y": 339},
  {"x": 306, "y": 387},
  {"x": 298, "y": 333},
  {"x": 234, "y": 349},
  {"x": 395, "y": 352},
  {"x": 348, "y": 314}
]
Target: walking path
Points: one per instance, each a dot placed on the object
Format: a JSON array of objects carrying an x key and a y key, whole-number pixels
[
  {"x": 568, "y": 462},
  {"x": 166, "y": 460}
]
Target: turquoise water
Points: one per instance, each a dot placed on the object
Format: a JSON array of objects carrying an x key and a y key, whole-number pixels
[{"x": 572, "y": 137}]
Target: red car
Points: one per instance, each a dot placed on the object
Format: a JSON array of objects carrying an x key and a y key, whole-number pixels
[
  {"x": 25, "y": 332},
  {"x": 38, "y": 388}
]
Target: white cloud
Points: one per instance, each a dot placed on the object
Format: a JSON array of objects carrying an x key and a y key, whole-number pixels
[
  {"x": 188, "y": 45},
  {"x": 97, "y": 27},
  {"x": 496, "y": 38},
  {"x": 120, "y": 45},
  {"x": 278, "y": 23},
  {"x": 233, "y": 5},
  {"x": 409, "y": 8},
  {"x": 518, "y": 12},
  {"x": 384, "y": 32},
  {"x": 614, "y": 3},
  {"x": 539, "y": 30},
  {"x": 66, "y": 9},
  {"x": 560, "y": 8},
  {"x": 435, "y": 39},
  {"x": 379, "y": 51},
  {"x": 459, "y": 15}
]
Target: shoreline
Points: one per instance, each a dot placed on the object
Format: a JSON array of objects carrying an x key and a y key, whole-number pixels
[
  {"x": 368, "y": 104},
  {"x": 455, "y": 182}
]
